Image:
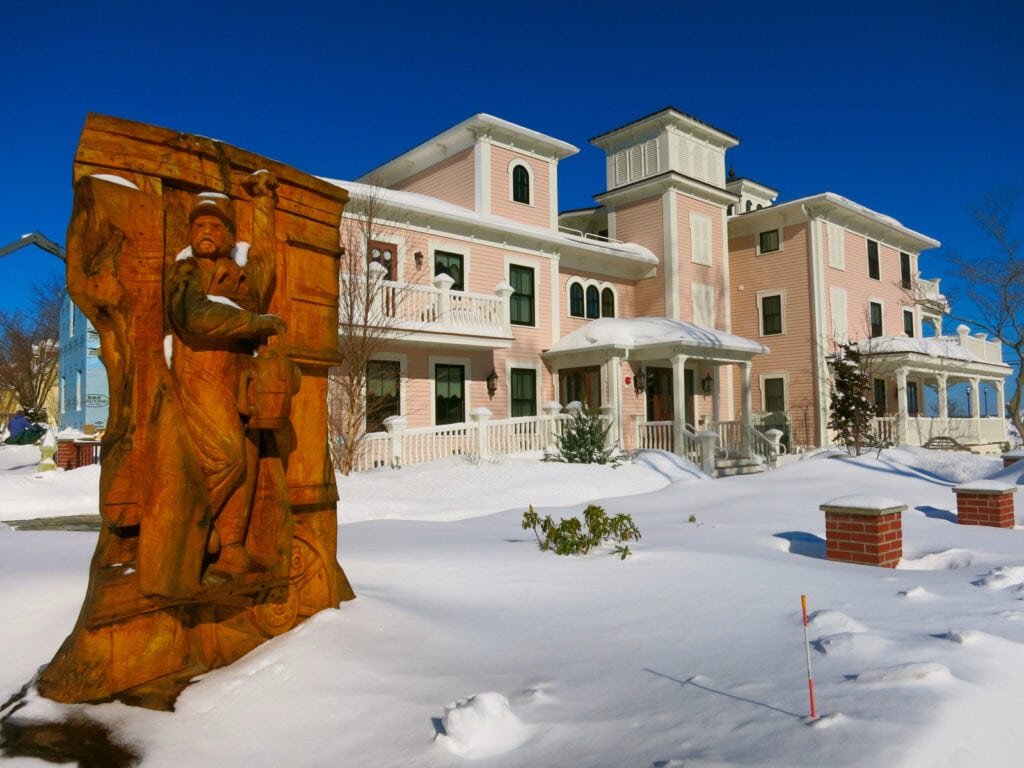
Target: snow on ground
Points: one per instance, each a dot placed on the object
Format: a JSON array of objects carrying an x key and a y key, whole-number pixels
[{"x": 467, "y": 643}]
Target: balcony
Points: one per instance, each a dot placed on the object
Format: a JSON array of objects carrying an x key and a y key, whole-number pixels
[
  {"x": 421, "y": 315},
  {"x": 929, "y": 297}
]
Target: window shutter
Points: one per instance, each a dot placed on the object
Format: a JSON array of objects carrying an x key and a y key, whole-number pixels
[
  {"x": 685, "y": 159},
  {"x": 651, "y": 166},
  {"x": 636, "y": 160},
  {"x": 704, "y": 305},
  {"x": 836, "y": 251},
  {"x": 840, "y": 328},
  {"x": 700, "y": 239},
  {"x": 621, "y": 167}
]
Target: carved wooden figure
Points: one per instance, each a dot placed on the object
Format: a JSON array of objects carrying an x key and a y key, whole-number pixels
[{"x": 211, "y": 275}]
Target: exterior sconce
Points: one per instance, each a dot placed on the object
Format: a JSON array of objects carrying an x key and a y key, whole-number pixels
[
  {"x": 707, "y": 384},
  {"x": 418, "y": 256},
  {"x": 640, "y": 382},
  {"x": 492, "y": 383}
]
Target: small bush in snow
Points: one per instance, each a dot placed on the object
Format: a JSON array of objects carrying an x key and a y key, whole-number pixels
[
  {"x": 573, "y": 537},
  {"x": 583, "y": 441}
]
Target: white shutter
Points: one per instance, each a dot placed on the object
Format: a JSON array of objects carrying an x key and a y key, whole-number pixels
[
  {"x": 651, "y": 157},
  {"x": 840, "y": 325},
  {"x": 636, "y": 162},
  {"x": 621, "y": 168},
  {"x": 700, "y": 239},
  {"x": 685, "y": 158},
  {"x": 836, "y": 250},
  {"x": 704, "y": 305}
]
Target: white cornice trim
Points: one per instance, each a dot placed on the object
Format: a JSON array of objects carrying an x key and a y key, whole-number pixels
[{"x": 657, "y": 185}]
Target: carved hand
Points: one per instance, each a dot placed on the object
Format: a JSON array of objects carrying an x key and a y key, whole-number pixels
[
  {"x": 273, "y": 325},
  {"x": 260, "y": 184}
]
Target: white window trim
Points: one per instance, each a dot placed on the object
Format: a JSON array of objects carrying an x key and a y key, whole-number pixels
[
  {"x": 531, "y": 365},
  {"x": 761, "y": 295},
  {"x": 403, "y": 377},
  {"x": 879, "y": 302},
  {"x": 467, "y": 363},
  {"x": 836, "y": 256},
  {"x": 584, "y": 284},
  {"x": 867, "y": 257},
  {"x": 535, "y": 265},
  {"x": 442, "y": 245},
  {"x": 710, "y": 260},
  {"x": 913, "y": 313},
  {"x": 784, "y": 375},
  {"x": 757, "y": 241},
  {"x": 396, "y": 240},
  {"x": 516, "y": 161}
]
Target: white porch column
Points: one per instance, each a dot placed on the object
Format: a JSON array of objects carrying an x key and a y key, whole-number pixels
[
  {"x": 678, "y": 402},
  {"x": 901, "y": 406},
  {"x": 748, "y": 407},
  {"x": 975, "y": 407},
  {"x": 942, "y": 385},
  {"x": 716, "y": 398},
  {"x": 1000, "y": 407},
  {"x": 615, "y": 400}
]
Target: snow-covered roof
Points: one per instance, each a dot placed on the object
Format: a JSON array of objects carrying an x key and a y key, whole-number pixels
[
  {"x": 646, "y": 332},
  {"x": 931, "y": 347},
  {"x": 904, "y": 236},
  {"x": 416, "y": 202}
]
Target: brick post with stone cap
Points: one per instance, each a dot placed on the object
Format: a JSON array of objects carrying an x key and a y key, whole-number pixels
[
  {"x": 985, "y": 502},
  {"x": 864, "y": 529}
]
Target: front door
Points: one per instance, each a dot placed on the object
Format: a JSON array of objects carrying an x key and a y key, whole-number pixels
[{"x": 660, "y": 404}]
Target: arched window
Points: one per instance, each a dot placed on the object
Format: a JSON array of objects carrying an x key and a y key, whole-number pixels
[
  {"x": 607, "y": 303},
  {"x": 576, "y": 300},
  {"x": 750, "y": 205},
  {"x": 521, "y": 184},
  {"x": 593, "y": 302}
]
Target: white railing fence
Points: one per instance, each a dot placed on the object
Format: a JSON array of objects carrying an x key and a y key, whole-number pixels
[{"x": 478, "y": 439}]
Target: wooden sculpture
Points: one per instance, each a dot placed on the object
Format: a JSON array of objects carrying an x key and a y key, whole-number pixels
[{"x": 211, "y": 275}]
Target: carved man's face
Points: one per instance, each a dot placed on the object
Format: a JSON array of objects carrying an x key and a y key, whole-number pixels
[{"x": 210, "y": 238}]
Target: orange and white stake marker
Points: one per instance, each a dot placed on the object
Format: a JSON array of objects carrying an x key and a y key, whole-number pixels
[{"x": 807, "y": 646}]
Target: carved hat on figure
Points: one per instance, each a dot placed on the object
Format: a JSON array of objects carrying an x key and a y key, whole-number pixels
[{"x": 213, "y": 204}]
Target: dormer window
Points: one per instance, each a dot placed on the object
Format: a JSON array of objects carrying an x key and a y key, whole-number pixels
[{"x": 521, "y": 183}]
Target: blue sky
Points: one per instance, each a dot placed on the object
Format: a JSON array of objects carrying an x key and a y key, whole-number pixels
[{"x": 911, "y": 109}]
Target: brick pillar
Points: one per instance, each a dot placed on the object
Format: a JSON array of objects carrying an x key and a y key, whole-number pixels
[
  {"x": 864, "y": 529},
  {"x": 67, "y": 453},
  {"x": 985, "y": 502},
  {"x": 1012, "y": 458}
]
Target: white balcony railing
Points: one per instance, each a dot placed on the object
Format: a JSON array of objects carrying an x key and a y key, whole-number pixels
[{"x": 411, "y": 307}]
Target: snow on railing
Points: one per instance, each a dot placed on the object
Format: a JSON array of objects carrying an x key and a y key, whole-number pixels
[
  {"x": 479, "y": 438},
  {"x": 414, "y": 307}
]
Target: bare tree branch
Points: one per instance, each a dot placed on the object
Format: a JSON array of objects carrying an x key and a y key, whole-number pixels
[
  {"x": 29, "y": 349},
  {"x": 370, "y": 319}
]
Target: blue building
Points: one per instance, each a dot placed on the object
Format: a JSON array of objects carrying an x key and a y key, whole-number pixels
[{"x": 83, "y": 394}]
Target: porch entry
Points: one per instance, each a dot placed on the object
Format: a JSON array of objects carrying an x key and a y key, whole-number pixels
[
  {"x": 580, "y": 384},
  {"x": 659, "y": 395}
]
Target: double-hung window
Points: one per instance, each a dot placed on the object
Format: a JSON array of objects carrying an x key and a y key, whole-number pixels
[
  {"x": 522, "y": 302},
  {"x": 874, "y": 270},
  {"x": 876, "y": 319},
  {"x": 522, "y": 384},
  {"x": 771, "y": 314}
]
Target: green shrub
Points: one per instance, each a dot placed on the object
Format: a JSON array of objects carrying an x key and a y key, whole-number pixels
[
  {"x": 583, "y": 441},
  {"x": 572, "y": 537}
]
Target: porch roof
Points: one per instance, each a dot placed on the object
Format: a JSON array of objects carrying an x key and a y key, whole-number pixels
[
  {"x": 931, "y": 354},
  {"x": 655, "y": 337}
]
